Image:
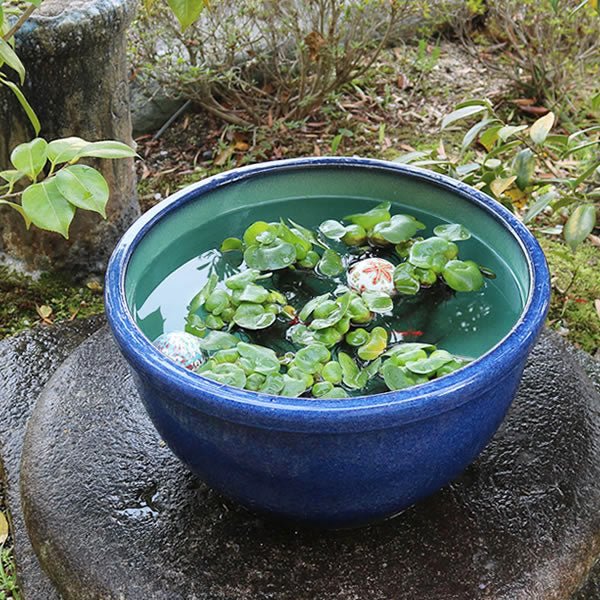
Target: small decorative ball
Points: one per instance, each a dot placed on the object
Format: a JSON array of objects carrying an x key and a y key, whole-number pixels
[
  {"x": 184, "y": 348},
  {"x": 372, "y": 275}
]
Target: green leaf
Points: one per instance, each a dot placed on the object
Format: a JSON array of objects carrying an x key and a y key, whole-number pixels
[
  {"x": 252, "y": 316},
  {"x": 524, "y": 166},
  {"x": 351, "y": 374},
  {"x": 453, "y": 232},
  {"x": 218, "y": 340},
  {"x": 405, "y": 280},
  {"x": 273, "y": 384},
  {"x": 263, "y": 360},
  {"x": 343, "y": 302},
  {"x": 541, "y": 128},
  {"x": 509, "y": 130},
  {"x": 106, "y": 149},
  {"x": 292, "y": 387},
  {"x": 186, "y": 11},
  {"x": 333, "y": 230},
  {"x": 375, "y": 346},
  {"x": 539, "y": 205},
  {"x": 47, "y": 207},
  {"x": 227, "y": 374},
  {"x": 271, "y": 257},
  {"x": 432, "y": 253},
  {"x": 410, "y": 157},
  {"x": 369, "y": 219},
  {"x": 11, "y": 176},
  {"x": 65, "y": 149},
  {"x": 579, "y": 225},
  {"x": 463, "y": 113},
  {"x": 19, "y": 209},
  {"x": 398, "y": 229},
  {"x": 84, "y": 187},
  {"x": 8, "y": 56},
  {"x": 330, "y": 264},
  {"x": 472, "y": 134},
  {"x": 397, "y": 377},
  {"x": 231, "y": 243},
  {"x": 200, "y": 298},
  {"x": 378, "y": 302},
  {"x": 489, "y": 137},
  {"x": 35, "y": 122},
  {"x": 254, "y": 293},
  {"x": 463, "y": 276},
  {"x": 428, "y": 366},
  {"x": 335, "y": 393},
  {"x": 30, "y": 157},
  {"x": 310, "y": 306}
]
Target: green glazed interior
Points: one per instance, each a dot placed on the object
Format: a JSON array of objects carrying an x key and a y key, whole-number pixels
[{"x": 310, "y": 195}]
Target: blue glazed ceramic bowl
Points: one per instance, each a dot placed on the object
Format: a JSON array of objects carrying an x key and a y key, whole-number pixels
[{"x": 333, "y": 463}]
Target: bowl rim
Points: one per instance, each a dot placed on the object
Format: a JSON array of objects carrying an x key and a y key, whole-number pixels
[{"x": 374, "y": 411}]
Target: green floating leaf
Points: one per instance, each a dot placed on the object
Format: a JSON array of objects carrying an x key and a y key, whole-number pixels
[
  {"x": 200, "y": 298},
  {"x": 579, "y": 225},
  {"x": 310, "y": 357},
  {"x": 396, "y": 377},
  {"x": 330, "y": 264},
  {"x": 254, "y": 293},
  {"x": 332, "y": 372},
  {"x": 252, "y": 316},
  {"x": 405, "y": 280},
  {"x": 47, "y": 207},
  {"x": 378, "y": 302},
  {"x": 240, "y": 280},
  {"x": 333, "y": 230},
  {"x": 453, "y": 232},
  {"x": 310, "y": 306},
  {"x": 335, "y": 393},
  {"x": 427, "y": 366},
  {"x": 337, "y": 312},
  {"x": 302, "y": 245},
  {"x": 432, "y": 253},
  {"x": 293, "y": 387},
  {"x": 218, "y": 340},
  {"x": 263, "y": 360},
  {"x": 355, "y": 235},
  {"x": 369, "y": 219},
  {"x": 273, "y": 384},
  {"x": 227, "y": 374},
  {"x": 351, "y": 374},
  {"x": 106, "y": 149},
  {"x": 254, "y": 230},
  {"x": 84, "y": 187},
  {"x": 463, "y": 276},
  {"x": 398, "y": 229},
  {"x": 272, "y": 257},
  {"x": 30, "y": 157},
  {"x": 376, "y": 345},
  {"x": 65, "y": 149}
]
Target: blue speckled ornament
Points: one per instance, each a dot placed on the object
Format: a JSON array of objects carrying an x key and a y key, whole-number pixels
[{"x": 181, "y": 347}]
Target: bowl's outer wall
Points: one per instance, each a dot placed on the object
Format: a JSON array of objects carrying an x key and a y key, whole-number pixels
[
  {"x": 332, "y": 462},
  {"x": 336, "y": 479}
]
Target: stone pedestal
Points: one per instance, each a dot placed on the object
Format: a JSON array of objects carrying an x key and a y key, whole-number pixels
[
  {"x": 77, "y": 82},
  {"x": 111, "y": 513}
]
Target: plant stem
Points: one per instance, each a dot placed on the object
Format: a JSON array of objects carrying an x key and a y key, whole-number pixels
[{"x": 20, "y": 22}]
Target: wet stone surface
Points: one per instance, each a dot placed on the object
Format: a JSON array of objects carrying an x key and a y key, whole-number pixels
[
  {"x": 114, "y": 515},
  {"x": 26, "y": 363}
]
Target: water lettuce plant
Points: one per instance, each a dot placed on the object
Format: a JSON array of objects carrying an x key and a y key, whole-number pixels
[{"x": 267, "y": 329}]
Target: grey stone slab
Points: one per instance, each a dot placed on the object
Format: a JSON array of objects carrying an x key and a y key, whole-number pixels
[
  {"x": 26, "y": 363},
  {"x": 113, "y": 514}
]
